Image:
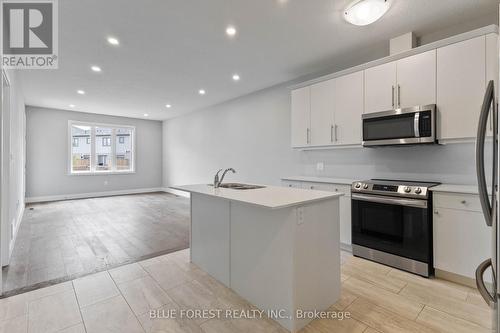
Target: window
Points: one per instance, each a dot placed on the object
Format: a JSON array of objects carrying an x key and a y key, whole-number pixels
[{"x": 101, "y": 148}]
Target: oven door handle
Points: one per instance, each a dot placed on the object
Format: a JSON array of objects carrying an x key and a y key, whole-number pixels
[{"x": 390, "y": 201}]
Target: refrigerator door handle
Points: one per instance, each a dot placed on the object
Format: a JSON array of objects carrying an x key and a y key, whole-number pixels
[
  {"x": 486, "y": 205},
  {"x": 490, "y": 300}
]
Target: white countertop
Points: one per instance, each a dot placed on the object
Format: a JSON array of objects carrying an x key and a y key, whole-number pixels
[
  {"x": 326, "y": 180},
  {"x": 456, "y": 188},
  {"x": 273, "y": 197},
  {"x": 451, "y": 188}
]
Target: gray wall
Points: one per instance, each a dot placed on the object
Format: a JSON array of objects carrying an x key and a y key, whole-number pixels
[
  {"x": 252, "y": 134},
  {"x": 13, "y": 129},
  {"x": 47, "y": 155}
]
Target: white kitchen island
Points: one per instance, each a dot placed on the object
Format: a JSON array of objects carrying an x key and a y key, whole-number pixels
[{"x": 277, "y": 247}]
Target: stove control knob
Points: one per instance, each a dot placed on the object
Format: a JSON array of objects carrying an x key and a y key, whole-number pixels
[
  {"x": 365, "y": 186},
  {"x": 418, "y": 190},
  {"x": 358, "y": 185},
  {"x": 407, "y": 189}
]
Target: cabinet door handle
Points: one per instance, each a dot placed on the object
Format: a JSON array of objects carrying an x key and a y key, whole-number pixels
[
  {"x": 393, "y": 97},
  {"x": 399, "y": 96},
  {"x": 331, "y": 133},
  {"x": 336, "y": 130},
  {"x": 308, "y": 136}
]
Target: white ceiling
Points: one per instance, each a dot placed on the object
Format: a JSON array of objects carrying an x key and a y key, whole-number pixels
[{"x": 171, "y": 48}]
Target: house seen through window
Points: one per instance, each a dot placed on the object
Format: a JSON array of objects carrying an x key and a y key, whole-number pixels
[{"x": 101, "y": 148}]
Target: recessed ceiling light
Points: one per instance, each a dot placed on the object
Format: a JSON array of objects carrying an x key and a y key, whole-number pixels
[
  {"x": 146, "y": 115},
  {"x": 364, "y": 12},
  {"x": 202, "y": 92},
  {"x": 231, "y": 31},
  {"x": 236, "y": 77},
  {"x": 168, "y": 106},
  {"x": 96, "y": 68},
  {"x": 113, "y": 41},
  {"x": 72, "y": 105},
  {"x": 81, "y": 92}
]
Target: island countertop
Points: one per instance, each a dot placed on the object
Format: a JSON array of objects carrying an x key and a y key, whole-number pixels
[{"x": 273, "y": 197}]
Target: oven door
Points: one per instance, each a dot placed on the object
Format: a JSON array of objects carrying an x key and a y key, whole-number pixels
[{"x": 398, "y": 226}]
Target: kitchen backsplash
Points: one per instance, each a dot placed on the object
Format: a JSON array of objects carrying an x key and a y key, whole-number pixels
[{"x": 452, "y": 163}]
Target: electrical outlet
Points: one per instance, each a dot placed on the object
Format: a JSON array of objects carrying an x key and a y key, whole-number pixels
[
  {"x": 300, "y": 215},
  {"x": 320, "y": 166},
  {"x": 106, "y": 183}
]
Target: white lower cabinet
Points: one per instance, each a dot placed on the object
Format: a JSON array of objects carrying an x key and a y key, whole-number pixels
[
  {"x": 345, "y": 203},
  {"x": 461, "y": 238}
]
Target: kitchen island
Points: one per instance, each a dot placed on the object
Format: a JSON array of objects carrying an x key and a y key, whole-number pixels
[{"x": 276, "y": 247}]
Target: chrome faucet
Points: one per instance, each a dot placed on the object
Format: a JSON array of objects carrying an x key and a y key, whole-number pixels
[{"x": 217, "y": 181}]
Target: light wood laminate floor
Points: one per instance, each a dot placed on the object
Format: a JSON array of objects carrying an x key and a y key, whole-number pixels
[
  {"x": 65, "y": 239},
  {"x": 377, "y": 298}
]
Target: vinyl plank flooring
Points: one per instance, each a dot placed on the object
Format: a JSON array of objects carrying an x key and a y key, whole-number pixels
[
  {"x": 450, "y": 305},
  {"x": 443, "y": 322},
  {"x": 65, "y": 239},
  {"x": 394, "y": 302}
]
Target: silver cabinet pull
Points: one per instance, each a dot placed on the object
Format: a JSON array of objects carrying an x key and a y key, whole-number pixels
[
  {"x": 336, "y": 130},
  {"x": 331, "y": 133},
  {"x": 308, "y": 139},
  {"x": 399, "y": 96},
  {"x": 393, "y": 97}
]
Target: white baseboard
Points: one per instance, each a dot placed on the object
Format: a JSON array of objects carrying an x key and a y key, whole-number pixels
[
  {"x": 176, "y": 192},
  {"x": 92, "y": 195},
  {"x": 346, "y": 247}
]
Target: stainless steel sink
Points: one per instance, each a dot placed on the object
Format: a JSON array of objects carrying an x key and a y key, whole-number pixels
[{"x": 239, "y": 186}]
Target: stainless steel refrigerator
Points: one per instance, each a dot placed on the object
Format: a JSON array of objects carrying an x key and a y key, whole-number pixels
[{"x": 487, "y": 177}]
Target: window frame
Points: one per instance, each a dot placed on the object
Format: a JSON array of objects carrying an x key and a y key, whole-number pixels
[{"x": 93, "y": 153}]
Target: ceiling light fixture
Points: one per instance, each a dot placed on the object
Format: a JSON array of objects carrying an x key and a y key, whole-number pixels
[
  {"x": 113, "y": 41},
  {"x": 72, "y": 105},
  {"x": 168, "y": 106},
  {"x": 202, "y": 92},
  {"x": 80, "y": 92},
  {"x": 231, "y": 31},
  {"x": 96, "y": 68},
  {"x": 364, "y": 12},
  {"x": 146, "y": 115},
  {"x": 236, "y": 77}
]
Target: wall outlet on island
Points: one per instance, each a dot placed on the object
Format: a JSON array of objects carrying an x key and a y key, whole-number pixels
[{"x": 320, "y": 166}]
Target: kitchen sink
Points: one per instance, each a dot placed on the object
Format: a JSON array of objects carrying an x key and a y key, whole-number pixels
[{"x": 239, "y": 186}]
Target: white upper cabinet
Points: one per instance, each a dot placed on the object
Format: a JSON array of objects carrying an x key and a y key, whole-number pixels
[
  {"x": 416, "y": 80},
  {"x": 322, "y": 115},
  {"x": 301, "y": 117},
  {"x": 461, "y": 83},
  {"x": 348, "y": 106},
  {"x": 453, "y": 76},
  {"x": 380, "y": 88}
]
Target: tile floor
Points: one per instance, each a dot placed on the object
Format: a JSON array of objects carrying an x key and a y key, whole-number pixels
[
  {"x": 66, "y": 239},
  {"x": 378, "y": 298}
]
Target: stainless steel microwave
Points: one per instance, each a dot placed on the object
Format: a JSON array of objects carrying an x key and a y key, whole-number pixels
[{"x": 415, "y": 125}]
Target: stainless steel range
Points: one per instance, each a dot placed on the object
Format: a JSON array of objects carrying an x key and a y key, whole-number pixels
[{"x": 392, "y": 223}]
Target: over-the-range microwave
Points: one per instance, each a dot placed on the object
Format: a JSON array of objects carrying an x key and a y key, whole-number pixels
[{"x": 409, "y": 126}]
